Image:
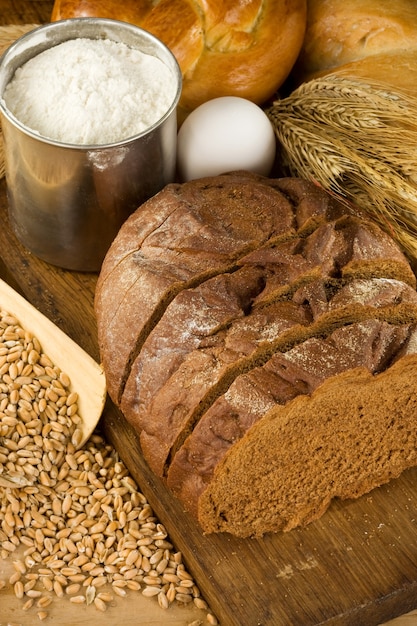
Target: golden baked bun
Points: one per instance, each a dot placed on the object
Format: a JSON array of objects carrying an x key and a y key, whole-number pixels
[
  {"x": 373, "y": 37},
  {"x": 229, "y": 47}
]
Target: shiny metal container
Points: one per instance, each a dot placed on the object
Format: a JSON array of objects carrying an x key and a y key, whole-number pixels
[{"x": 67, "y": 202}]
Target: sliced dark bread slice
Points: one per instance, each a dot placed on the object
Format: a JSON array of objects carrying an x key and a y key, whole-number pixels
[{"x": 354, "y": 433}]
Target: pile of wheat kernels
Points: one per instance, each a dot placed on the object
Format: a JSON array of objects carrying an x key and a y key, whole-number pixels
[{"x": 86, "y": 532}]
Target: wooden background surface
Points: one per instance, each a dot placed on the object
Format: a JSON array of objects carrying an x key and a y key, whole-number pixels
[{"x": 356, "y": 566}]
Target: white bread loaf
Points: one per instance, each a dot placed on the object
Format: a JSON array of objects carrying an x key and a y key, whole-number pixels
[
  {"x": 362, "y": 38},
  {"x": 235, "y": 48},
  {"x": 262, "y": 343}
]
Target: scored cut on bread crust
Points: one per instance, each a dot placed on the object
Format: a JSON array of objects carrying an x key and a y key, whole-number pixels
[{"x": 199, "y": 314}]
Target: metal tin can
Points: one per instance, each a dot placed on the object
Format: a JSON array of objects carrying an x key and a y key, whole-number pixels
[{"x": 67, "y": 201}]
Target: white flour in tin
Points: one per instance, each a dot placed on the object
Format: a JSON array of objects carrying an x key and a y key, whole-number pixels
[{"x": 88, "y": 91}]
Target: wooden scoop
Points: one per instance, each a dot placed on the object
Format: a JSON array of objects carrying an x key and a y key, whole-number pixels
[{"x": 87, "y": 377}]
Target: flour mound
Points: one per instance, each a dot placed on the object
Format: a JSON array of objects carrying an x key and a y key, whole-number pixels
[{"x": 87, "y": 92}]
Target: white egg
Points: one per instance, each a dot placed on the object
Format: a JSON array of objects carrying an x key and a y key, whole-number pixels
[{"x": 225, "y": 134}]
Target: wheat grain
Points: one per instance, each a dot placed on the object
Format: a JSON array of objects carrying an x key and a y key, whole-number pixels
[
  {"x": 28, "y": 604},
  {"x": 77, "y": 599},
  {"x": 105, "y": 596},
  {"x": 151, "y": 591},
  {"x": 200, "y": 603},
  {"x": 42, "y": 615},
  {"x": 183, "y": 598},
  {"x": 18, "y": 589},
  {"x": 119, "y": 591}
]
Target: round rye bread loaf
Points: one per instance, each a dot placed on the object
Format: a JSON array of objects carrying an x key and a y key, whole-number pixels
[{"x": 261, "y": 338}]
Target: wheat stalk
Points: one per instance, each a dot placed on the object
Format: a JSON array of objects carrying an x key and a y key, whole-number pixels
[
  {"x": 8, "y": 35},
  {"x": 356, "y": 139}
]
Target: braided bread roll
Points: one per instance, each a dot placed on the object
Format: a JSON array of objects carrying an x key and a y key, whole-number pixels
[{"x": 229, "y": 47}]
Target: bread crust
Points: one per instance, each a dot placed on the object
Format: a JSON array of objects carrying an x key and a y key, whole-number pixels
[{"x": 245, "y": 49}]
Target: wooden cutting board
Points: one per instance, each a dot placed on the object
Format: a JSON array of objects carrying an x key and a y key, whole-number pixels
[{"x": 356, "y": 566}]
